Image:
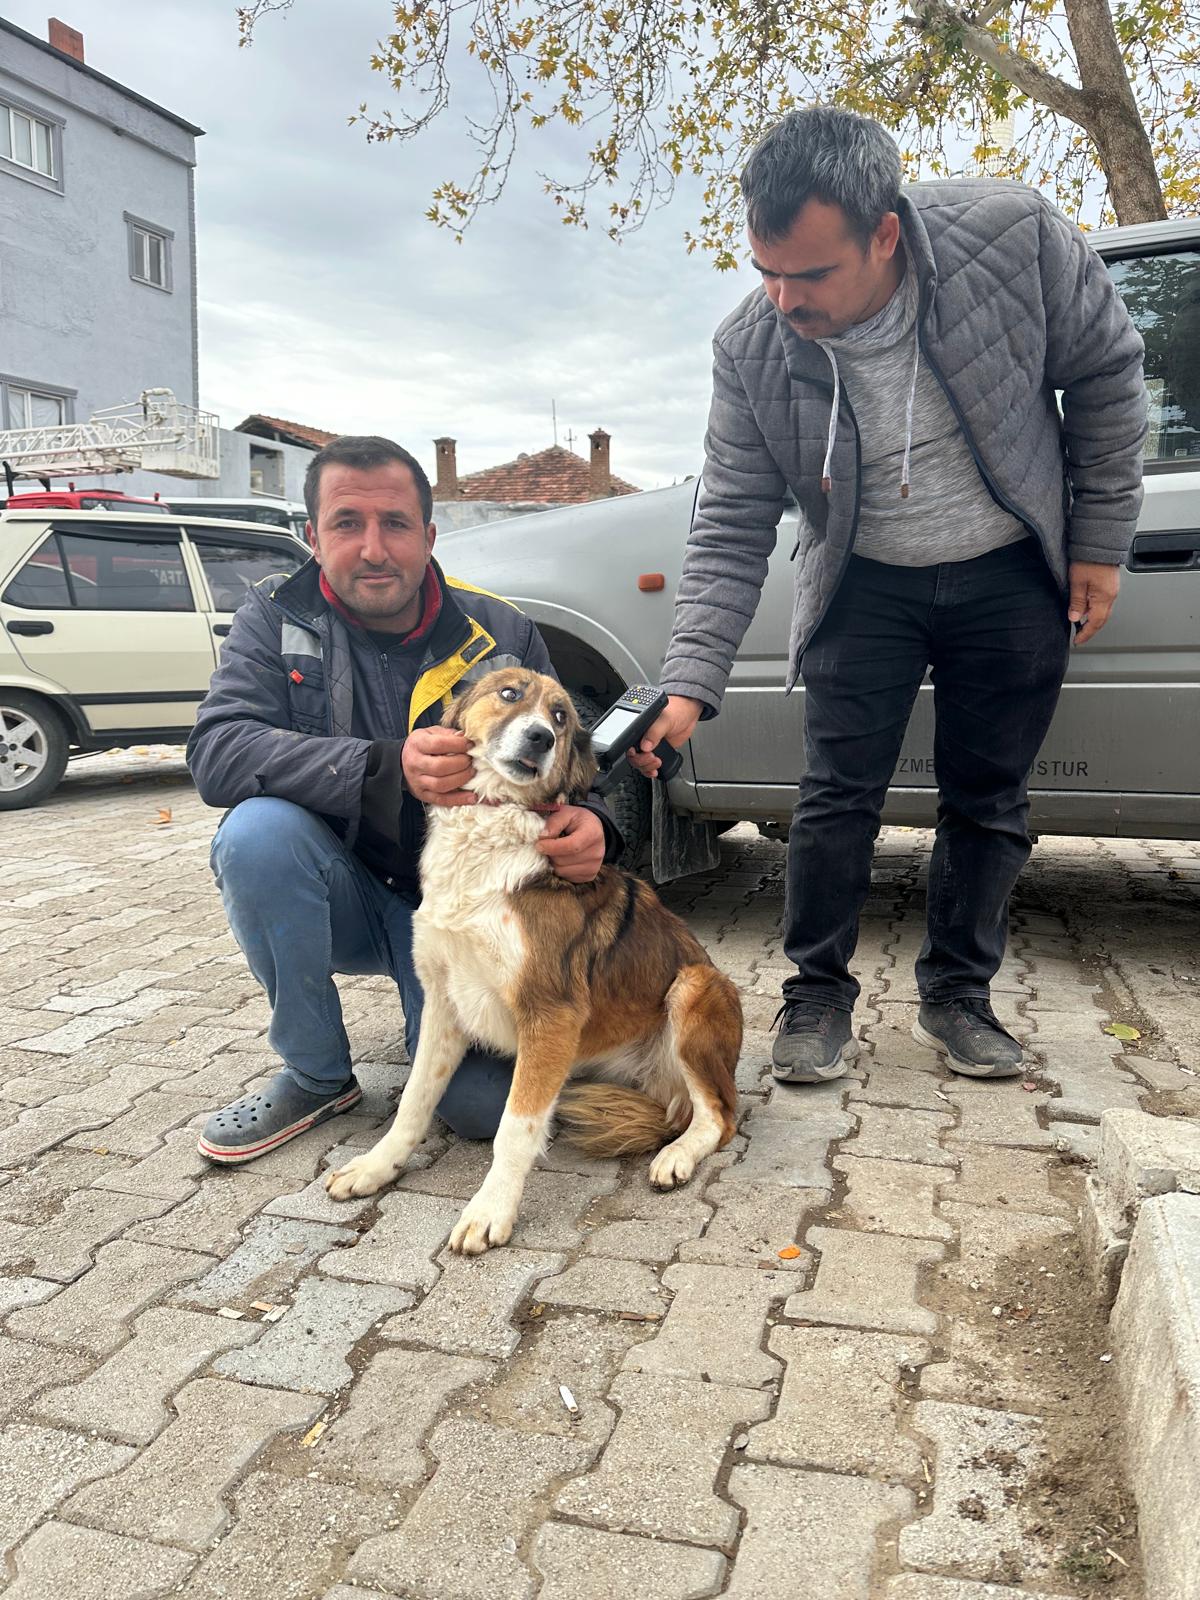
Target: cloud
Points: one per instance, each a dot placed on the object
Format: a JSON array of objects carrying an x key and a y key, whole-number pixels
[{"x": 325, "y": 295}]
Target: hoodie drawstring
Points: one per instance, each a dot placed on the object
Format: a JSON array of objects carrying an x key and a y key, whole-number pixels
[{"x": 831, "y": 436}]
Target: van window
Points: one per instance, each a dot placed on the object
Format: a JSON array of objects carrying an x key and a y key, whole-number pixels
[
  {"x": 1162, "y": 294},
  {"x": 41, "y": 582},
  {"x": 233, "y": 569},
  {"x": 115, "y": 574}
]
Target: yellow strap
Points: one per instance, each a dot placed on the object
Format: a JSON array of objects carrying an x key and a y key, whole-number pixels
[
  {"x": 473, "y": 588},
  {"x": 437, "y": 683}
]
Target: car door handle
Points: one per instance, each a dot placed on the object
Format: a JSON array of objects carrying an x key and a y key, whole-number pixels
[
  {"x": 1165, "y": 552},
  {"x": 222, "y": 628},
  {"x": 30, "y": 628}
]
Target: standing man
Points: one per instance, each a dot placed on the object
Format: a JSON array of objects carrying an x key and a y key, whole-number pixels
[
  {"x": 320, "y": 730},
  {"x": 897, "y": 372}
]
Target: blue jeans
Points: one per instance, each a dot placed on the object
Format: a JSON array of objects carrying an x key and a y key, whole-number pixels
[
  {"x": 303, "y": 907},
  {"x": 994, "y": 631}
]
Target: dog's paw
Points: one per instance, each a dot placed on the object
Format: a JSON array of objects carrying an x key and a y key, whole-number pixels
[
  {"x": 364, "y": 1175},
  {"x": 479, "y": 1228},
  {"x": 672, "y": 1166}
]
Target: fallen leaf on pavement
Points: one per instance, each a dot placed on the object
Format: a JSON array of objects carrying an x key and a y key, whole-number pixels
[
  {"x": 163, "y": 817},
  {"x": 1121, "y": 1030},
  {"x": 313, "y": 1434},
  {"x": 789, "y": 1252}
]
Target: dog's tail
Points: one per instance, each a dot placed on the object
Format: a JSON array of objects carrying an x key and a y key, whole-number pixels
[{"x": 608, "y": 1119}]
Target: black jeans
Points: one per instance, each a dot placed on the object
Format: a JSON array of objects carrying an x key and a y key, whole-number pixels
[{"x": 994, "y": 630}]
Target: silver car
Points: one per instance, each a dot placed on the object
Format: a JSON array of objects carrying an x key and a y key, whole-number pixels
[{"x": 1123, "y": 753}]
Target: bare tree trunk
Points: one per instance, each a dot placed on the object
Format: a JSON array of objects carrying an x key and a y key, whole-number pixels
[{"x": 1111, "y": 114}]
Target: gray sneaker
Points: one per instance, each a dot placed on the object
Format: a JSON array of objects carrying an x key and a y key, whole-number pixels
[
  {"x": 815, "y": 1042},
  {"x": 260, "y": 1122},
  {"x": 967, "y": 1033}
]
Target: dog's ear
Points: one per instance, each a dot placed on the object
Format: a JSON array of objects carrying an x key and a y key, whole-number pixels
[
  {"x": 456, "y": 711},
  {"x": 582, "y": 766}
]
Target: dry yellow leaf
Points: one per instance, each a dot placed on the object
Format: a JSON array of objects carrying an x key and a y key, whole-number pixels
[
  {"x": 163, "y": 817},
  {"x": 789, "y": 1252}
]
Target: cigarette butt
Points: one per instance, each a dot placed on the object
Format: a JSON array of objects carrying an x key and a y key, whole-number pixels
[
  {"x": 231, "y": 1312},
  {"x": 568, "y": 1399},
  {"x": 313, "y": 1434}
]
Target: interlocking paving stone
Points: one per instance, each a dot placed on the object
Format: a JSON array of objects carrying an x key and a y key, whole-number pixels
[
  {"x": 987, "y": 1236},
  {"x": 392, "y": 1406},
  {"x": 37, "y": 1130},
  {"x": 684, "y": 1428},
  {"x": 35, "y": 1195},
  {"x": 173, "y": 1491},
  {"x": 983, "y": 1461},
  {"x": 173, "y": 1171},
  {"x": 752, "y": 1223},
  {"x": 890, "y": 1133},
  {"x": 71, "y": 1036},
  {"x": 307, "y": 1348},
  {"x": 587, "y": 1564},
  {"x": 867, "y": 1280},
  {"x": 809, "y": 1523},
  {"x": 790, "y": 1151},
  {"x": 899, "y": 1086},
  {"x": 302, "y": 1159},
  {"x": 841, "y": 1403},
  {"x": 273, "y": 1253},
  {"x": 714, "y": 1327},
  {"x": 212, "y": 1219},
  {"x": 921, "y": 1586},
  {"x": 400, "y": 1245},
  {"x": 469, "y": 1310},
  {"x": 62, "y": 1248},
  {"x": 92, "y": 1313},
  {"x": 630, "y": 1240},
  {"x": 459, "y": 1541},
  {"x": 27, "y": 1369},
  {"x": 890, "y": 1197},
  {"x": 290, "y": 1537},
  {"x": 127, "y": 1397},
  {"x": 596, "y": 1284},
  {"x": 142, "y": 1129},
  {"x": 997, "y": 1114},
  {"x": 978, "y": 1371},
  {"x": 313, "y": 1202},
  {"x": 1016, "y": 1178},
  {"x": 39, "y": 1467},
  {"x": 59, "y": 1559},
  {"x": 1084, "y": 1096},
  {"x": 17, "y": 1293}
]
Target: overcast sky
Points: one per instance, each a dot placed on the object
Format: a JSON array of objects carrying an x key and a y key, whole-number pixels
[{"x": 327, "y": 298}]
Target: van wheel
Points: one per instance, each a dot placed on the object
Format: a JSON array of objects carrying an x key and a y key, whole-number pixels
[
  {"x": 632, "y": 803},
  {"x": 33, "y": 749}
]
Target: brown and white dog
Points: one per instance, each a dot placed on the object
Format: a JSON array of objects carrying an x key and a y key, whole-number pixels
[{"x": 598, "y": 979}]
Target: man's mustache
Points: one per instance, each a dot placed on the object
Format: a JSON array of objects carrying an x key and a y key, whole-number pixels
[{"x": 377, "y": 572}]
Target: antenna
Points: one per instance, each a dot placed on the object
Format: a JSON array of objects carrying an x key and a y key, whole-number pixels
[
  {"x": 554, "y": 420},
  {"x": 570, "y": 438}
]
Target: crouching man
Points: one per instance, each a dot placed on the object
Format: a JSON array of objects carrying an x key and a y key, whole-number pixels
[{"x": 320, "y": 732}]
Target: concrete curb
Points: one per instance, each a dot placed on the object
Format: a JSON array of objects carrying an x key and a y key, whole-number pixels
[{"x": 1141, "y": 1225}]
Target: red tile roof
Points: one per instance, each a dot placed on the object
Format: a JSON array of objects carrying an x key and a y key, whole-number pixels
[
  {"x": 291, "y": 432},
  {"x": 555, "y": 475}
]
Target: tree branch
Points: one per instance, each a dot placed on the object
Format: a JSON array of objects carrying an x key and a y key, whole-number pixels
[{"x": 1025, "y": 75}]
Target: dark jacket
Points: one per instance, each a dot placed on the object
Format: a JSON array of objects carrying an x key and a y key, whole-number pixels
[
  {"x": 306, "y": 707},
  {"x": 1014, "y": 306}
]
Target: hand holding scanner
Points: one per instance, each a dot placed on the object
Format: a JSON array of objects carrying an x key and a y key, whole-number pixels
[{"x": 622, "y": 728}]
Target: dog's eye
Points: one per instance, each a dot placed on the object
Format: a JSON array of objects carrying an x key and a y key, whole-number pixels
[
  {"x": 510, "y": 694},
  {"x": 560, "y": 717}
]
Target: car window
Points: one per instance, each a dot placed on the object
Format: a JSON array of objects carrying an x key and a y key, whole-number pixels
[
  {"x": 41, "y": 582},
  {"x": 1162, "y": 293},
  {"x": 115, "y": 574},
  {"x": 233, "y": 569}
]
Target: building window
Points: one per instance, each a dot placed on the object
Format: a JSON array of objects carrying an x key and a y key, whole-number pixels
[
  {"x": 149, "y": 253},
  {"x": 32, "y": 405},
  {"x": 30, "y": 144}
]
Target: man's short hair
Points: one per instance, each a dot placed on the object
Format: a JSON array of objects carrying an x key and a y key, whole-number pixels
[
  {"x": 364, "y": 451},
  {"x": 823, "y": 154}
]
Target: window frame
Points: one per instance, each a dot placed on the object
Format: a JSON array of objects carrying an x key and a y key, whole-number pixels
[
  {"x": 1114, "y": 257},
  {"x": 138, "y": 228},
  {"x": 278, "y": 542},
  {"x": 53, "y": 180},
  {"x": 169, "y": 534},
  {"x": 48, "y": 391}
]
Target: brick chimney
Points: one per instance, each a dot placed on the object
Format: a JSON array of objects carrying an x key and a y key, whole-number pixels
[
  {"x": 68, "y": 40},
  {"x": 600, "y": 473},
  {"x": 446, "y": 487}
]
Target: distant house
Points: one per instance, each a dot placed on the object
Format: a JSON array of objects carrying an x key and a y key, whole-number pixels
[{"x": 550, "y": 477}]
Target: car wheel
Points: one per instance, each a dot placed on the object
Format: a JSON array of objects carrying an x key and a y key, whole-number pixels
[
  {"x": 632, "y": 803},
  {"x": 33, "y": 749}
]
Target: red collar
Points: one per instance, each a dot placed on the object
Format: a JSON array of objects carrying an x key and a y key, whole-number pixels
[{"x": 431, "y": 607}]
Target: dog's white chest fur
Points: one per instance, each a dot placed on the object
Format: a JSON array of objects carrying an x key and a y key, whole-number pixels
[{"x": 465, "y": 930}]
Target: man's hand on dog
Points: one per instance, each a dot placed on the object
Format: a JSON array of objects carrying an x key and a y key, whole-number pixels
[
  {"x": 676, "y": 726},
  {"x": 573, "y": 839},
  {"x": 436, "y": 766}
]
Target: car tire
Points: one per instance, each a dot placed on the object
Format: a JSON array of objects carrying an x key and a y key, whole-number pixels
[
  {"x": 632, "y": 803},
  {"x": 31, "y": 725}
]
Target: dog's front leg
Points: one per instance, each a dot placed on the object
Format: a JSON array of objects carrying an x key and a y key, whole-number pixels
[
  {"x": 546, "y": 1052},
  {"x": 440, "y": 1049}
]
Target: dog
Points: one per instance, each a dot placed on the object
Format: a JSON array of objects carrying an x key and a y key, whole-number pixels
[{"x": 597, "y": 980}]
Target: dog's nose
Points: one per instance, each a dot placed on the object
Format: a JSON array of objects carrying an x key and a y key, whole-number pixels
[{"x": 537, "y": 738}]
